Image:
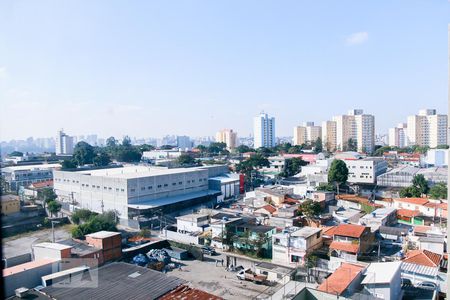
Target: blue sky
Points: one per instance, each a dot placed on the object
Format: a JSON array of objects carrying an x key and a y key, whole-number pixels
[{"x": 149, "y": 68}]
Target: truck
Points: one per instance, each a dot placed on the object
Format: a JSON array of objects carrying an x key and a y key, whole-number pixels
[{"x": 249, "y": 275}]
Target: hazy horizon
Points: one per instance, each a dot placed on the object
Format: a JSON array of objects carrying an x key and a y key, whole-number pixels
[{"x": 149, "y": 69}]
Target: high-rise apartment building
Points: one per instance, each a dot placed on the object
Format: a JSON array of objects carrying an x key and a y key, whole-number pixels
[
  {"x": 263, "y": 131},
  {"x": 63, "y": 143},
  {"x": 184, "y": 142},
  {"x": 397, "y": 136},
  {"x": 357, "y": 127},
  {"x": 329, "y": 135},
  {"x": 427, "y": 129},
  {"x": 227, "y": 136},
  {"x": 307, "y": 133}
]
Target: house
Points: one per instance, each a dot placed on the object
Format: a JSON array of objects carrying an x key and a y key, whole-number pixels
[
  {"x": 275, "y": 194},
  {"x": 383, "y": 280},
  {"x": 393, "y": 234},
  {"x": 409, "y": 217},
  {"x": 380, "y": 217},
  {"x": 267, "y": 210},
  {"x": 28, "y": 275},
  {"x": 10, "y": 204},
  {"x": 192, "y": 223},
  {"x": 292, "y": 246},
  {"x": 109, "y": 242},
  {"x": 434, "y": 244},
  {"x": 323, "y": 196},
  {"x": 349, "y": 243},
  {"x": 247, "y": 236},
  {"x": 409, "y": 203},
  {"x": 365, "y": 170},
  {"x": 344, "y": 281},
  {"x": 423, "y": 258},
  {"x": 33, "y": 189}
]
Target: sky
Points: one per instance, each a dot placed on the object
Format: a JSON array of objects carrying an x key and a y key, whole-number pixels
[{"x": 151, "y": 68}]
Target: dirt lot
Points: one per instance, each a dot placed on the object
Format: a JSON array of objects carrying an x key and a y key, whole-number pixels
[
  {"x": 216, "y": 280},
  {"x": 21, "y": 244}
]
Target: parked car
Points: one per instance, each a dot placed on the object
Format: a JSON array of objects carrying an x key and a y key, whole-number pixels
[
  {"x": 208, "y": 250},
  {"x": 427, "y": 285}
]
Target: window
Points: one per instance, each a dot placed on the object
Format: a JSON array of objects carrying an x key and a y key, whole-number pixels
[
  {"x": 132, "y": 190},
  {"x": 150, "y": 187},
  {"x": 174, "y": 183},
  {"x": 180, "y": 182},
  {"x": 166, "y": 185},
  {"x": 122, "y": 190},
  {"x": 143, "y": 188},
  {"x": 159, "y": 185}
]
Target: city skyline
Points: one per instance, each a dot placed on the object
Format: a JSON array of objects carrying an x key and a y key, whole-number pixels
[{"x": 217, "y": 65}]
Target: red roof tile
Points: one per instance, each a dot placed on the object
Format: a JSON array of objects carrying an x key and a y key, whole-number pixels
[
  {"x": 407, "y": 213},
  {"x": 339, "y": 281},
  {"x": 416, "y": 201},
  {"x": 270, "y": 208},
  {"x": 47, "y": 183},
  {"x": 350, "y": 230},
  {"x": 342, "y": 246},
  {"x": 423, "y": 257},
  {"x": 328, "y": 231}
]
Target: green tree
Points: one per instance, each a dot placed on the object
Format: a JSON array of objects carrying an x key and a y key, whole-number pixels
[
  {"x": 111, "y": 142},
  {"x": 186, "y": 160},
  {"x": 244, "y": 149},
  {"x": 442, "y": 147},
  {"x": 68, "y": 164},
  {"x": 106, "y": 221},
  {"x": 102, "y": 159},
  {"x": 216, "y": 148},
  {"x": 438, "y": 191},
  {"x": 166, "y": 147},
  {"x": 126, "y": 142},
  {"x": 47, "y": 194},
  {"x": 296, "y": 149},
  {"x": 202, "y": 148},
  {"x": 351, "y": 145},
  {"x": 293, "y": 166},
  {"x": 146, "y": 147},
  {"x": 325, "y": 187},
  {"x": 309, "y": 209},
  {"x": 338, "y": 173},
  {"x": 82, "y": 215},
  {"x": 53, "y": 207},
  {"x": 410, "y": 192},
  {"x": 83, "y": 153},
  {"x": 318, "y": 146},
  {"x": 266, "y": 152},
  {"x": 420, "y": 183},
  {"x": 380, "y": 151}
]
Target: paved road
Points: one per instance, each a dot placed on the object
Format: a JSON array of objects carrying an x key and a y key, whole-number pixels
[{"x": 21, "y": 244}]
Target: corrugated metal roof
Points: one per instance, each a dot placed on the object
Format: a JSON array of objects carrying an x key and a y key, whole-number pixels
[
  {"x": 419, "y": 269},
  {"x": 114, "y": 283}
]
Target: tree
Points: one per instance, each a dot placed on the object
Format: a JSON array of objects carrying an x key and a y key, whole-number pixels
[
  {"x": 243, "y": 149},
  {"x": 216, "y": 148},
  {"x": 128, "y": 154},
  {"x": 83, "y": 153},
  {"x": 53, "y": 207},
  {"x": 47, "y": 194},
  {"x": 380, "y": 151},
  {"x": 202, "y": 148},
  {"x": 102, "y": 159},
  {"x": 106, "y": 221},
  {"x": 325, "y": 187},
  {"x": 111, "y": 142},
  {"x": 68, "y": 164},
  {"x": 166, "y": 147},
  {"x": 264, "y": 151},
  {"x": 297, "y": 149},
  {"x": 126, "y": 142},
  {"x": 247, "y": 167},
  {"x": 420, "y": 183},
  {"x": 351, "y": 145},
  {"x": 410, "y": 192},
  {"x": 293, "y": 166},
  {"x": 145, "y": 147},
  {"x": 338, "y": 173},
  {"x": 309, "y": 209},
  {"x": 442, "y": 147},
  {"x": 438, "y": 191},
  {"x": 186, "y": 160},
  {"x": 16, "y": 153},
  {"x": 82, "y": 215},
  {"x": 318, "y": 146}
]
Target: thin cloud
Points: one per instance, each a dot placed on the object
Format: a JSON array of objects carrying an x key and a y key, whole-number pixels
[{"x": 357, "y": 38}]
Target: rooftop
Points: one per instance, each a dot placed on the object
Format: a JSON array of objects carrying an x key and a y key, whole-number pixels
[
  {"x": 9, "y": 198},
  {"x": 31, "y": 167},
  {"x": 184, "y": 292},
  {"x": 28, "y": 266},
  {"x": 153, "y": 203},
  {"x": 119, "y": 281},
  {"x": 339, "y": 281},
  {"x": 54, "y": 246},
  {"x": 274, "y": 268},
  {"x": 381, "y": 272},
  {"x": 343, "y": 246},
  {"x": 423, "y": 257},
  {"x": 103, "y": 234},
  {"x": 306, "y": 232},
  {"x": 191, "y": 217},
  {"x": 415, "y": 201},
  {"x": 350, "y": 230},
  {"x": 130, "y": 172}
]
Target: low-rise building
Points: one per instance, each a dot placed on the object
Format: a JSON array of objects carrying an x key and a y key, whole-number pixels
[
  {"x": 365, "y": 170},
  {"x": 383, "y": 280},
  {"x": 380, "y": 217},
  {"x": 22, "y": 176},
  {"x": 344, "y": 281},
  {"x": 403, "y": 176},
  {"x": 10, "y": 204},
  {"x": 192, "y": 223},
  {"x": 349, "y": 243},
  {"x": 292, "y": 246}
]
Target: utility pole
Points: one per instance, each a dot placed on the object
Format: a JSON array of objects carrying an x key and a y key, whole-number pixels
[{"x": 53, "y": 230}]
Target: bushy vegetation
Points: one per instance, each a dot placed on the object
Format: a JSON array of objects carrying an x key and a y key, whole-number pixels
[{"x": 106, "y": 221}]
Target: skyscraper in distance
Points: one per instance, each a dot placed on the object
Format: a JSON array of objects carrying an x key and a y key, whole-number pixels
[
  {"x": 63, "y": 143},
  {"x": 227, "y": 136},
  {"x": 263, "y": 131}
]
